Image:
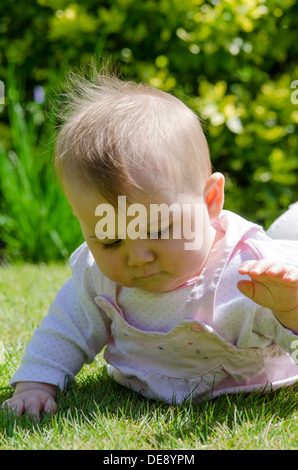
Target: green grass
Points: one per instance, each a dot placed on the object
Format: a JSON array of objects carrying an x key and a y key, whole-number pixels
[{"x": 96, "y": 413}]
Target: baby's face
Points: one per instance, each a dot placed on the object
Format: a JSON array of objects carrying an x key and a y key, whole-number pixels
[{"x": 153, "y": 264}]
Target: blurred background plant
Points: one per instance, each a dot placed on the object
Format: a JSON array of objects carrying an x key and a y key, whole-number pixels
[{"x": 232, "y": 61}]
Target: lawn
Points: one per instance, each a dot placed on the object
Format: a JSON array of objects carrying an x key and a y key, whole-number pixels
[{"x": 96, "y": 413}]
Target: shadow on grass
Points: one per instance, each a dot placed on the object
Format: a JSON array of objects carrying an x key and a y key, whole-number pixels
[{"x": 98, "y": 395}]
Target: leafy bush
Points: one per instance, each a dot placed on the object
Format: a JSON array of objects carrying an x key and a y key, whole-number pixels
[
  {"x": 36, "y": 221},
  {"x": 232, "y": 61}
]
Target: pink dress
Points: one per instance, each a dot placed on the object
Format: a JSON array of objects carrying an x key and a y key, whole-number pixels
[{"x": 204, "y": 338}]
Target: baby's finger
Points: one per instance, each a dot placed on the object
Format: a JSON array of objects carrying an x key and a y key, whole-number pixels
[
  {"x": 264, "y": 266},
  {"x": 276, "y": 269},
  {"x": 292, "y": 275},
  {"x": 246, "y": 266},
  {"x": 246, "y": 288},
  {"x": 32, "y": 407},
  {"x": 50, "y": 406},
  {"x": 15, "y": 406},
  {"x": 254, "y": 267}
]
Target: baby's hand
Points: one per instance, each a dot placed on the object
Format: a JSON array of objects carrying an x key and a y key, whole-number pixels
[
  {"x": 32, "y": 397},
  {"x": 274, "y": 286}
]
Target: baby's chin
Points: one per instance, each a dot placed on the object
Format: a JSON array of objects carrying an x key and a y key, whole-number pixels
[{"x": 153, "y": 284}]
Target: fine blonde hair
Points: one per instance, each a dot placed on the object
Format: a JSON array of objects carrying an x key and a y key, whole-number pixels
[{"x": 121, "y": 137}]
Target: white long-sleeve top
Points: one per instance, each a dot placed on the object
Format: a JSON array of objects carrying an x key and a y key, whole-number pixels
[{"x": 202, "y": 338}]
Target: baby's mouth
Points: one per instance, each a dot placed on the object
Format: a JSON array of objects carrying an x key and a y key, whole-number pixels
[{"x": 146, "y": 276}]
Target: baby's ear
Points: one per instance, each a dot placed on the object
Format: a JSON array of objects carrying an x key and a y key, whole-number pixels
[{"x": 214, "y": 194}]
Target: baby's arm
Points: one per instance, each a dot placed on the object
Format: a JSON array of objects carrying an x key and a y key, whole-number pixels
[
  {"x": 32, "y": 397},
  {"x": 274, "y": 286},
  {"x": 72, "y": 333}
]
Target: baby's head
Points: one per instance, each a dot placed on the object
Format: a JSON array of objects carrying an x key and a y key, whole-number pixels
[{"x": 124, "y": 139}]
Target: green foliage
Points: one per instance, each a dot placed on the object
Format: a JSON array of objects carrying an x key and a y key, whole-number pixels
[
  {"x": 232, "y": 61},
  {"x": 36, "y": 222}
]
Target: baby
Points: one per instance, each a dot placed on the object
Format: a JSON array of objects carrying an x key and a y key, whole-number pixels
[{"x": 188, "y": 300}]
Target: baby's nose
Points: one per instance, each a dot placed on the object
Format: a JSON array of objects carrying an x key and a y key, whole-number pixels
[{"x": 139, "y": 253}]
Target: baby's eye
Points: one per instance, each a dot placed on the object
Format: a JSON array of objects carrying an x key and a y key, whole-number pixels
[
  {"x": 157, "y": 235},
  {"x": 115, "y": 244}
]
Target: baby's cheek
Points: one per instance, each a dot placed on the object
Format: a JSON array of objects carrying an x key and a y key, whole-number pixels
[{"x": 113, "y": 269}]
